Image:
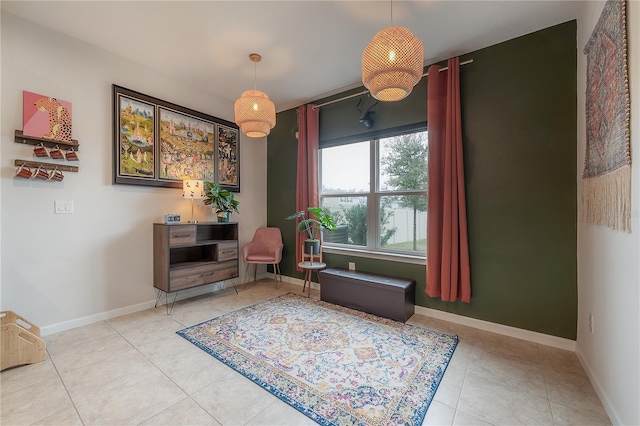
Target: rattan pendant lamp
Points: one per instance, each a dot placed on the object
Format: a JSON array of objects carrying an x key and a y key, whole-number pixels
[
  {"x": 392, "y": 63},
  {"x": 254, "y": 111}
]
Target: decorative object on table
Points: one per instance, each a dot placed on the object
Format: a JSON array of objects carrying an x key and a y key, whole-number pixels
[
  {"x": 392, "y": 63},
  {"x": 313, "y": 227},
  {"x": 171, "y": 218},
  {"x": 222, "y": 201},
  {"x": 606, "y": 180},
  {"x": 341, "y": 366},
  {"x": 55, "y": 124},
  {"x": 193, "y": 189},
  {"x": 264, "y": 249},
  {"x": 255, "y": 113},
  {"x": 157, "y": 143}
]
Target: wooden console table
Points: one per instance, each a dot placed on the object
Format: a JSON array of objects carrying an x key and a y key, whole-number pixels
[{"x": 188, "y": 255}]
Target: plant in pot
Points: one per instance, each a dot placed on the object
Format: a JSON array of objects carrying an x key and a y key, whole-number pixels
[
  {"x": 222, "y": 201},
  {"x": 317, "y": 221}
]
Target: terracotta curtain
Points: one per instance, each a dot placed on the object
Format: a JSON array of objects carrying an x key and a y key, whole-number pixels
[
  {"x": 447, "y": 247},
  {"x": 307, "y": 176}
]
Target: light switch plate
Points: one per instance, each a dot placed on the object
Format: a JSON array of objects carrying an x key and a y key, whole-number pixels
[{"x": 62, "y": 207}]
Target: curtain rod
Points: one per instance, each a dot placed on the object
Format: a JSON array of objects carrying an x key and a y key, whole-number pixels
[{"x": 366, "y": 91}]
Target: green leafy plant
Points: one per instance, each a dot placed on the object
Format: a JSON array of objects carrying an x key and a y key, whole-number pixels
[
  {"x": 220, "y": 200},
  {"x": 313, "y": 225}
]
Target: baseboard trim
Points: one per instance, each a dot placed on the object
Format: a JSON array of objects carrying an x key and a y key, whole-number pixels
[
  {"x": 532, "y": 336},
  {"x": 518, "y": 333},
  {"x": 506, "y": 330},
  {"x": 299, "y": 282},
  {"x": 90, "y": 319},
  {"x": 608, "y": 407},
  {"x": 103, "y": 316}
]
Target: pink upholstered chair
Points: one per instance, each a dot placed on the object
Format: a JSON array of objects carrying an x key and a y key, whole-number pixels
[{"x": 266, "y": 249}]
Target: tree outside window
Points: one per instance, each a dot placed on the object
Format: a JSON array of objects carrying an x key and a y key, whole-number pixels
[{"x": 380, "y": 180}]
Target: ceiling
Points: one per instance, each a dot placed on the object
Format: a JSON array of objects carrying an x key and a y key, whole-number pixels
[{"x": 309, "y": 48}]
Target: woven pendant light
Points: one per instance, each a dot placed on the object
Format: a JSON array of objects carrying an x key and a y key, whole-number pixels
[
  {"x": 392, "y": 64},
  {"x": 254, "y": 111}
]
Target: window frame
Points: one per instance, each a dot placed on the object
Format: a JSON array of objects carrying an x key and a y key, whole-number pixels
[{"x": 373, "y": 195}]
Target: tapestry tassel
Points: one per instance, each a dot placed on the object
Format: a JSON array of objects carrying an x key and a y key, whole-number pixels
[{"x": 606, "y": 200}]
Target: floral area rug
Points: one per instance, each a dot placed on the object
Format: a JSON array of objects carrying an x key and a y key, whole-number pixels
[{"x": 336, "y": 365}]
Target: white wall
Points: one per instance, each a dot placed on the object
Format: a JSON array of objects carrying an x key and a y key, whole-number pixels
[
  {"x": 61, "y": 271},
  {"x": 608, "y": 261}
]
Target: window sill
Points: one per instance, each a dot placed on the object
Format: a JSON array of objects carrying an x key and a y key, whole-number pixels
[{"x": 370, "y": 254}]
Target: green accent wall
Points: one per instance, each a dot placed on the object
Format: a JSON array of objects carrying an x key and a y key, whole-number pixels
[{"x": 519, "y": 117}]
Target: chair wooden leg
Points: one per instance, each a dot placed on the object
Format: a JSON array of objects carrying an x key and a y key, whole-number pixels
[{"x": 255, "y": 272}]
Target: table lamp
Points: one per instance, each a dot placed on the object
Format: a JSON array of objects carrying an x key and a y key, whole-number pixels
[{"x": 193, "y": 189}]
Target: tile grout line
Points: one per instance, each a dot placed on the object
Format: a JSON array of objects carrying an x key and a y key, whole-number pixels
[
  {"x": 158, "y": 369},
  {"x": 176, "y": 384},
  {"x": 464, "y": 379},
  {"x": 476, "y": 347},
  {"x": 62, "y": 380},
  {"x": 65, "y": 389},
  {"x": 544, "y": 380}
]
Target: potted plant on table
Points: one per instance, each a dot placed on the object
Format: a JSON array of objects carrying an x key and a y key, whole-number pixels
[
  {"x": 313, "y": 226},
  {"x": 222, "y": 201}
]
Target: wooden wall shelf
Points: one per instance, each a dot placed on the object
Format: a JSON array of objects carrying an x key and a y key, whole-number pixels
[
  {"x": 48, "y": 166},
  {"x": 49, "y": 143}
]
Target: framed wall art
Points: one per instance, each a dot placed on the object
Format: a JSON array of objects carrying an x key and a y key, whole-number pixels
[
  {"x": 157, "y": 143},
  {"x": 228, "y": 157},
  {"x": 46, "y": 117}
]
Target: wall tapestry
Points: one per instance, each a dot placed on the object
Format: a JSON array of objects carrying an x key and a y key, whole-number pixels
[
  {"x": 46, "y": 117},
  {"x": 606, "y": 189},
  {"x": 158, "y": 143}
]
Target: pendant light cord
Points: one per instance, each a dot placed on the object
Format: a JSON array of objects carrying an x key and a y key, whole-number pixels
[
  {"x": 255, "y": 73},
  {"x": 391, "y": 7}
]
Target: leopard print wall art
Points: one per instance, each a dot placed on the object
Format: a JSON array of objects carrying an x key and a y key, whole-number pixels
[{"x": 54, "y": 125}]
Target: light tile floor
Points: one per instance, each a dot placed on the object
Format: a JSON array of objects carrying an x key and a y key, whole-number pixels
[{"x": 134, "y": 369}]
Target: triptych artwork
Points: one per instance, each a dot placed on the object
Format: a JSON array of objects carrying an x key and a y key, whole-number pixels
[{"x": 161, "y": 144}]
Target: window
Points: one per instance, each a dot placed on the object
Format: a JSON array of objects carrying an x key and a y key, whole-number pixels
[{"x": 381, "y": 181}]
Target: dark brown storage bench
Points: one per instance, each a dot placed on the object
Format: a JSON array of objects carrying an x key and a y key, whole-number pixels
[{"x": 388, "y": 297}]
